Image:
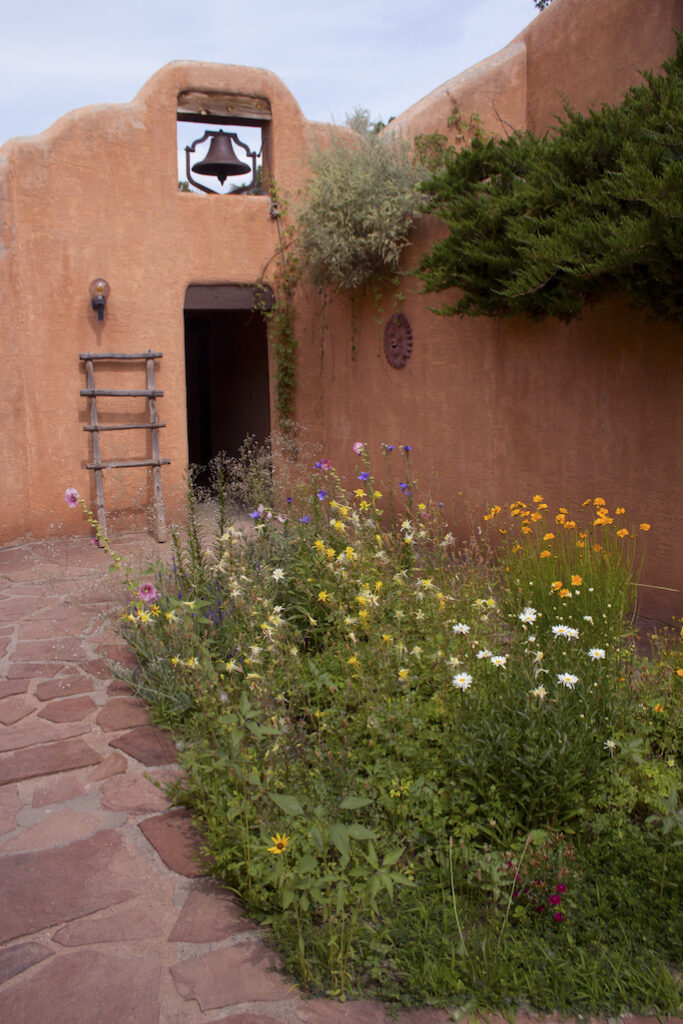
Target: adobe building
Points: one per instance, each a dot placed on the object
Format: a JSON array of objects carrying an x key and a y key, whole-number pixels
[{"x": 495, "y": 410}]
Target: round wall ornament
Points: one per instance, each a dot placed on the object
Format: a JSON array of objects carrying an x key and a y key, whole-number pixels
[{"x": 398, "y": 340}]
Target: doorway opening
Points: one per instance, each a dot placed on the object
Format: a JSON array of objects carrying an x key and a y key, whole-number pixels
[{"x": 226, "y": 372}]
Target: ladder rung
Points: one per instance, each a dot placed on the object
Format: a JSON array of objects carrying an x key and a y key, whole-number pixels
[
  {"x": 120, "y": 393},
  {"x": 120, "y": 355},
  {"x": 124, "y": 465},
  {"x": 128, "y": 426}
]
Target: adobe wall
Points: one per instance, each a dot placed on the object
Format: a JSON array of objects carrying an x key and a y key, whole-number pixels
[
  {"x": 97, "y": 195},
  {"x": 495, "y": 410},
  {"x": 498, "y": 410}
]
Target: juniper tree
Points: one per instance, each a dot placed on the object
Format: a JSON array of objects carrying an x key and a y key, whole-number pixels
[{"x": 543, "y": 225}]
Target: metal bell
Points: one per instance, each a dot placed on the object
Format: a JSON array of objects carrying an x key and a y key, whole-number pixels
[{"x": 221, "y": 160}]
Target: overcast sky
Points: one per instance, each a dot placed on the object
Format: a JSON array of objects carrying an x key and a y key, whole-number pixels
[{"x": 380, "y": 54}]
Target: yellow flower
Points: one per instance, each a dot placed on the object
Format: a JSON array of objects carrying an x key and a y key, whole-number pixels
[
  {"x": 569, "y": 525},
  {"x": 403, "y": 673},
  {"x": 565, "y": 593},
  {"x": 560, "y": 517},
  {"x": 535, "y": 516},
  {"x": 323, "y": 596},
  {"x": 353, "y": 660},
  {"x": 577, "y": 580},
  {"x": 622, "y": 533},
  {"x": 363, "y": 615},
  {"x": 599, "y": 501},
  {"x": 538, "y": 497},
  {"x": 679, "y": 671},
  {"x": 517, "y": 547},
  {"x": 541, "y": 507},
  {"x": 501, "y": 531},
  {"x": 330, "y": 552},
  {"x": 320, "y": 545},
  {"x": 545, "y": 554},
  {"x": 620, "y": 511},
  {"x": 526, "y": 529},
  {"x": 645, "y": 526},
  {"x": 556, "y": 585},
  {"x": 387, "y": 639},
  {"x": 359, "y": 492},
  {"x": 548, "y": 536},
  {"x": 280, "y": 843},
  {"x": 377, "y": 494}
]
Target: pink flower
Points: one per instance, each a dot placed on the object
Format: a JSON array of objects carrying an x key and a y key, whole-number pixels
[
  {"x": 359, "y": 447},
  {"x": 71, "y": 497},
  {"x": 561, "y": 887},
  {"x": 559, "y": 916},
  {"x": 148, "y": 592},
  {"x": 554, "y": 899}
]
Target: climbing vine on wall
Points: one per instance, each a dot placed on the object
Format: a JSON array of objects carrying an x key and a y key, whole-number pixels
[
  {"x": 281, "y": 315},
  {"x": 541, "y": 226}
]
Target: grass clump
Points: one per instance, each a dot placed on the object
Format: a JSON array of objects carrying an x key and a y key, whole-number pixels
[{"x": 441, "y": 775}]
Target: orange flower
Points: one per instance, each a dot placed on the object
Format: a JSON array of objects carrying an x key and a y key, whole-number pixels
[
  {"x": 565, "y": 593},
  {"x": 577, "y": 581},
  {"x": 580, "y": 544},
  {"x": 535, "y": 516},
  {"x": 548, "y": 536},
  {"x": 569, "y": 525},
  {"x": 526, "y": 529},
  {"x": 556, "y": 585},
  {"x": 622, "y": 533},
  {"x": 538, "y": 497},
  {"x": 620, "y": 511},
  {"x": 599, "y": 501},
  {"x": 545, "y": 554},
  {"x": 597, "y": 547},
  {"x": 645, "y": 526}
]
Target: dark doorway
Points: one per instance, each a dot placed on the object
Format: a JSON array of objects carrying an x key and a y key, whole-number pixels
[{"x": 226, "y": 367}]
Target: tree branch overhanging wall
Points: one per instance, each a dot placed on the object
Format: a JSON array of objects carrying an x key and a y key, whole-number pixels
[{"x": 541, "y": 226}]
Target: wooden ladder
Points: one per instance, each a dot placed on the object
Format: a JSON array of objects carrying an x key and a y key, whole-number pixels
[{"x": 151, "y": 394}]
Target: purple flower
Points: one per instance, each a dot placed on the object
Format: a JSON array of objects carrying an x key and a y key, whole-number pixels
[
  {"x": 322, "y": 495},
  {"x": 305, "y": 519},
  {"x": 325, "y": 464},
  {"x": 289, "y": 501},
  {"x": 255, "y": 514},
  {"x": 71, "y": 497},
  {"x": 388, "y": 447},
  {"x": 363, "y": 476},
  {"x": 559, "y": 916},
  {"x": 554, "y": 899},
  {"x": 148, "y": 592},
  {"x": 318, "y": 465},
  {"x": 407, "y": 447},
  {"x": 561, "y": 887}
]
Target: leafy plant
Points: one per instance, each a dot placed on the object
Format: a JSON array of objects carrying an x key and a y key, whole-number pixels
[
  {"x": 542, "y": 226},
  {"x": 358, "y": 207}
]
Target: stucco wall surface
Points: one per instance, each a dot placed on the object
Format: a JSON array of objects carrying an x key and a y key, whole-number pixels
[
  {"x": 498, "y": 410},
  {"x": 97, "y": 195},
  {"x": 495, "y": 410}
]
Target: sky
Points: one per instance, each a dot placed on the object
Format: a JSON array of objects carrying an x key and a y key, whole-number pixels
[{"x": 382, "y": 55}]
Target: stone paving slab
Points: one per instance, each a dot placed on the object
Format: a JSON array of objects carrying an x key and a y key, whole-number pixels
[
  {"x": 46, "y": 760},
  {"x": 53, "y": 886},
  {"x": 86, "y": 988}
]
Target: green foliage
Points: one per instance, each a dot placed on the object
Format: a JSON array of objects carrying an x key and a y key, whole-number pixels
[
  {"x": 439, "y": 775},
  {"x": 541, "y": 226},
  {"x": 358, "y": 207}
]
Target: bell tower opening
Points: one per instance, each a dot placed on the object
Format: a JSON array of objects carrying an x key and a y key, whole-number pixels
[
  {"x": 222, "y": 143},
  {"x": 226, "y": 370}
]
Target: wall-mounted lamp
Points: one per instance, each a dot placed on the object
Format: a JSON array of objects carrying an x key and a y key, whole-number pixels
[{"x": 99, "y": 293}]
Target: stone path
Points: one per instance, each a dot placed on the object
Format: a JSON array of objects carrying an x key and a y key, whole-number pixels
[{"x": 105, "y": 914}]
